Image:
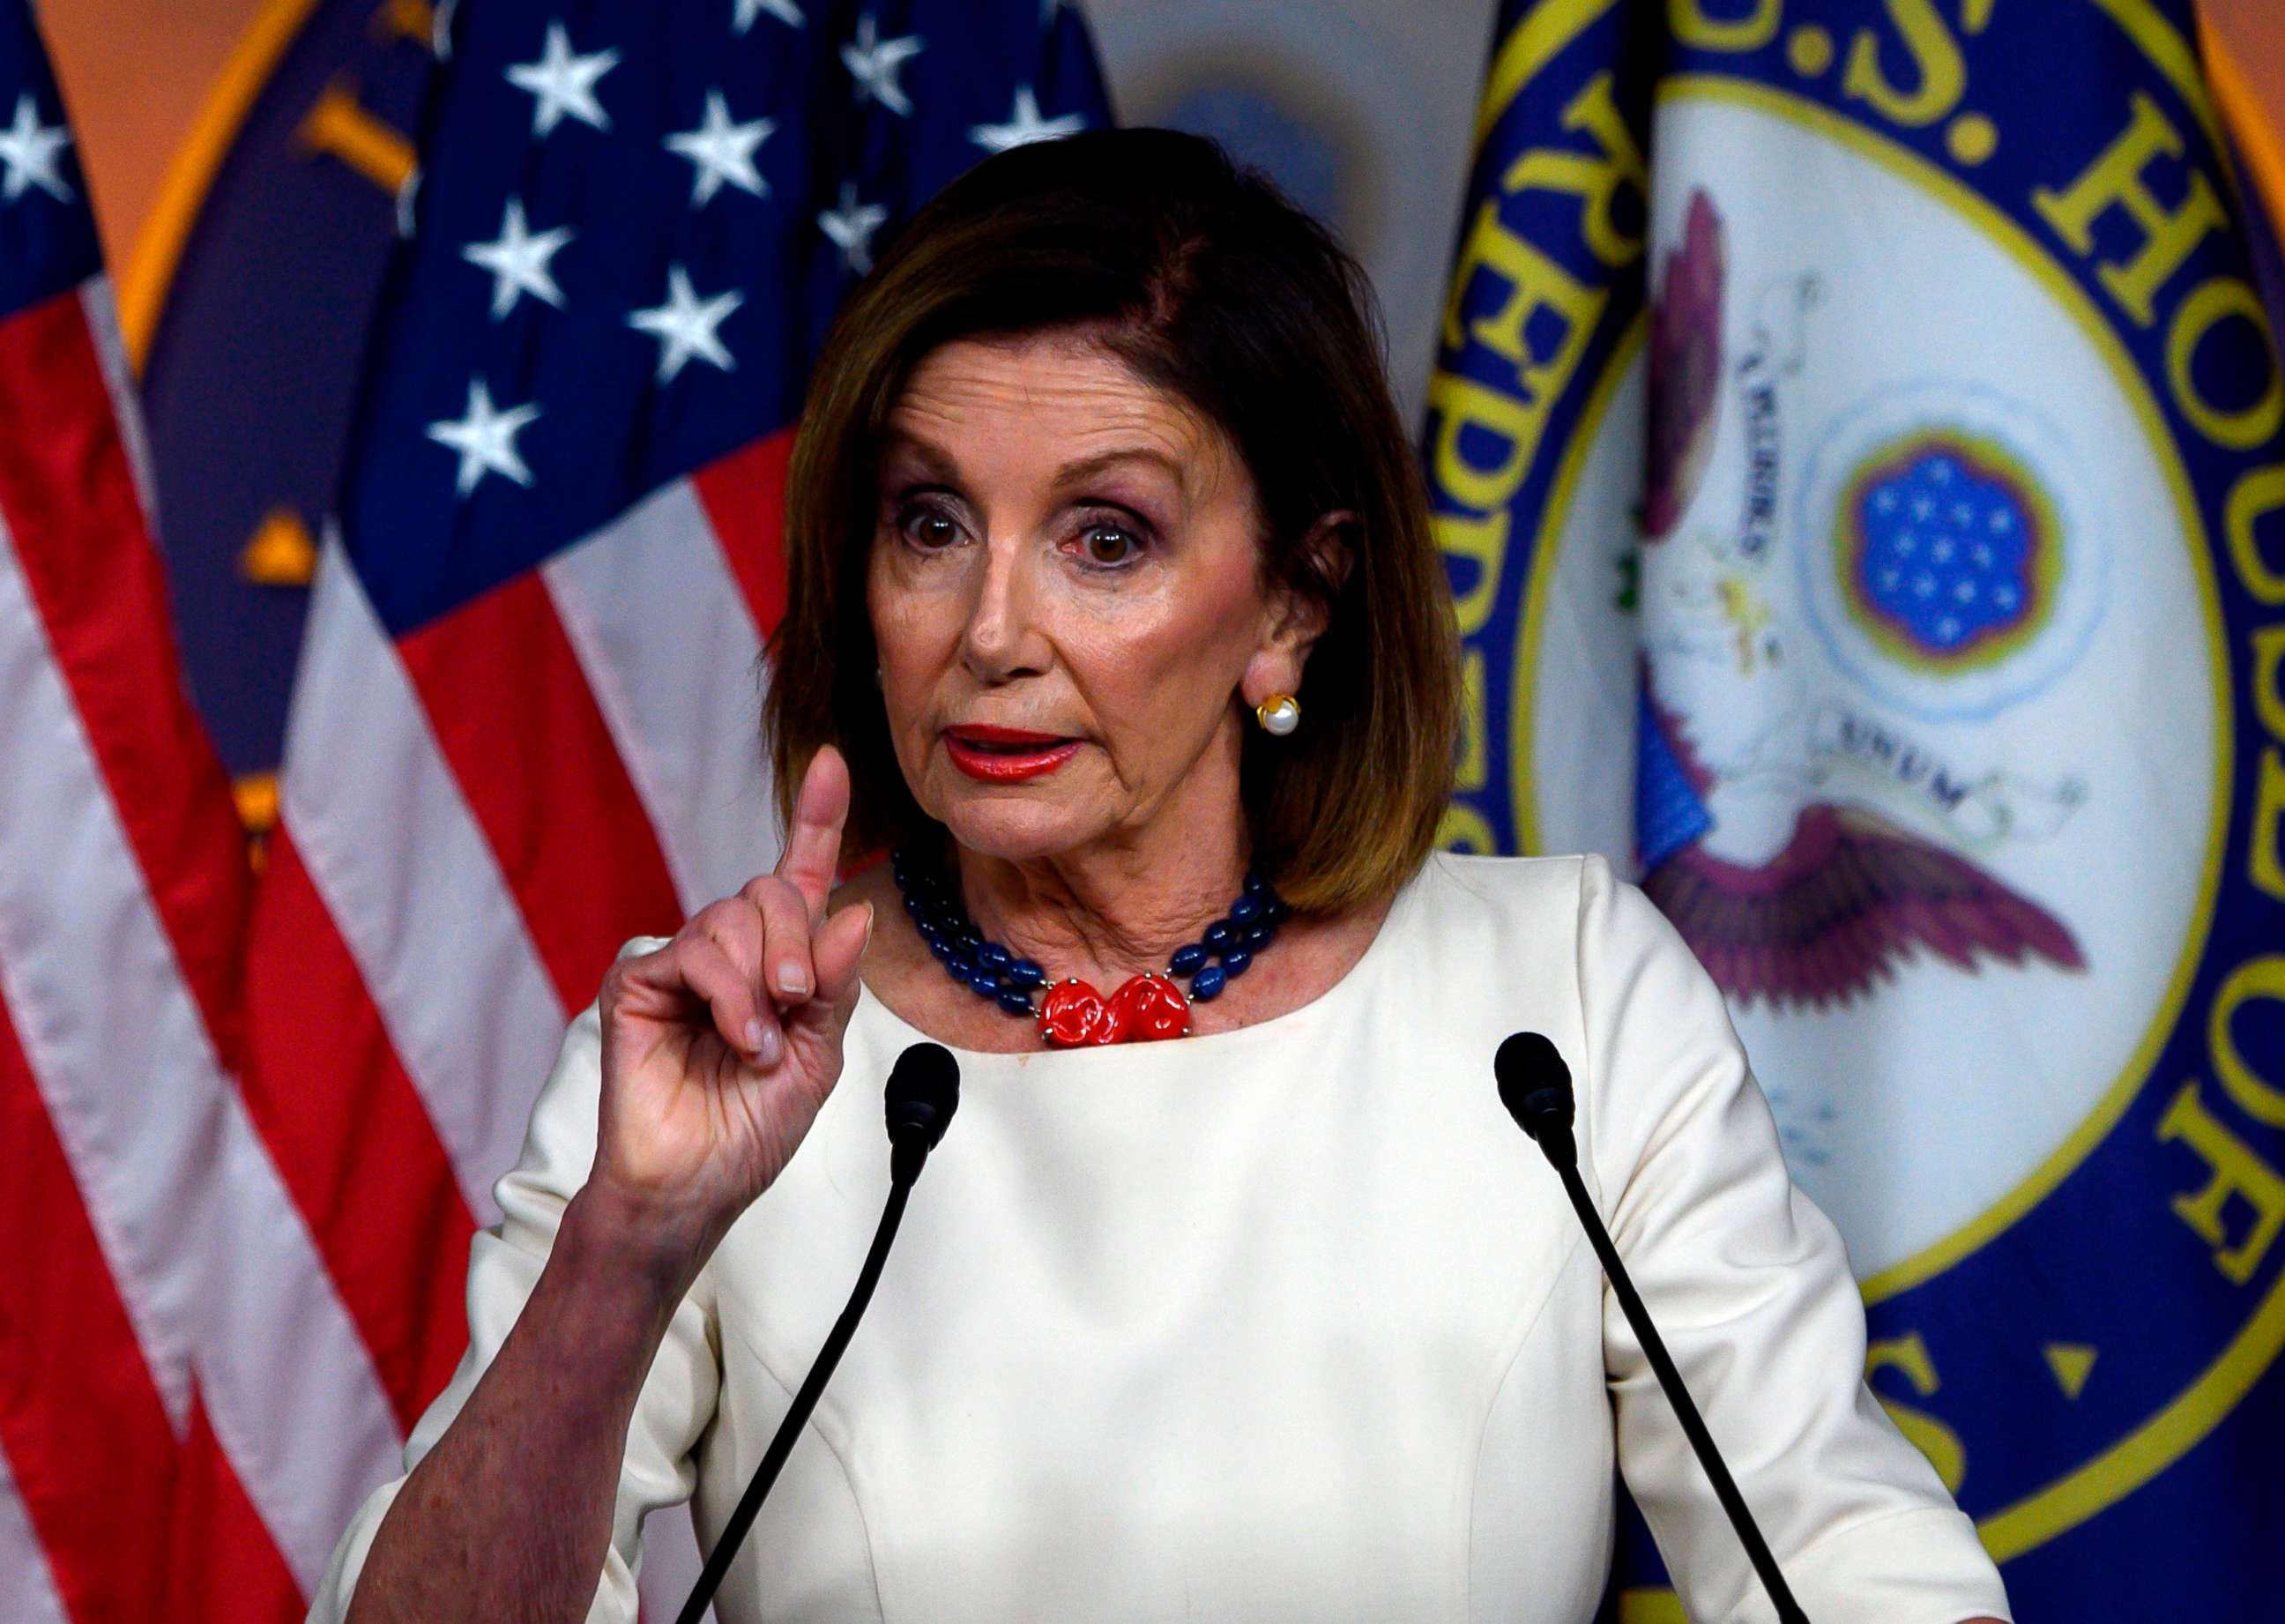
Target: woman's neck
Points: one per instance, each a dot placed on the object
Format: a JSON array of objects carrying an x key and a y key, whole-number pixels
[{"x": 1108, "y": 912}]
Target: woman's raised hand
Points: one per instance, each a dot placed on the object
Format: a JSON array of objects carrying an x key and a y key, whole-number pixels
[{"x": 719, "y": 1049}]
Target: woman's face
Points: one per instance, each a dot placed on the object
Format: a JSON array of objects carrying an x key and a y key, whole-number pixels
[{"x": 1066, "y": 593}]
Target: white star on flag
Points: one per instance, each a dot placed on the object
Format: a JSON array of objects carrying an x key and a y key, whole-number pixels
[
  {"x": 851, "y": 225},
  {"x": 563, "y": 84},
  {"x": 720, "y": 151},
  {"x": 485, "y": 438},
  {"x": 30, "y": 149},
  {"x": 785, "y": 10},
  {"x": 873, "y": 62},
  {"x": 685, "y": 326},
  {"x": 1025, "y": 125},
  {"x": 518, "y": 261}
]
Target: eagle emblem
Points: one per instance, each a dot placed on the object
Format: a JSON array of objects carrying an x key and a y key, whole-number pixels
[{"x": 1804, "y": 838}]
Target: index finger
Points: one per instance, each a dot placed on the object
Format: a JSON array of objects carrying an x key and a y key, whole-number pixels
[{"x": 811, "y": 859}]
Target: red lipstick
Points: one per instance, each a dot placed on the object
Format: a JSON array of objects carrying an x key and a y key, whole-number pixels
[{"x": 1006, "y": 755}]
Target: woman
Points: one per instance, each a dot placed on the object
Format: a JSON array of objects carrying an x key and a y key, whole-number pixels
[{"x": 1114, "y": 610}]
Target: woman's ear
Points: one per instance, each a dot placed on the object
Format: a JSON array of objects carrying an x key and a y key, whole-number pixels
[
  {"x": 1307, "y": 609},
  {"x": 1300, "y": 610}
]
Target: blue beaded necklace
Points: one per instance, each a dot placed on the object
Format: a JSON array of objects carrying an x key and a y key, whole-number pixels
[{"x": 1071, "y": 1012}]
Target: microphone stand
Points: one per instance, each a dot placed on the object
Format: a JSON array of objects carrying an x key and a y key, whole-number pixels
[
  {"x": 1694, "y": 1426},
  {"x": 750, "y": 1503},
  {"x": 1535, "y": 1086},
  {"x": 923, "y": 1091}
]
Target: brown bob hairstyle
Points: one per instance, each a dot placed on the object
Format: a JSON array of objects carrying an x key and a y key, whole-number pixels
[{"x": 1206, "y": 282}]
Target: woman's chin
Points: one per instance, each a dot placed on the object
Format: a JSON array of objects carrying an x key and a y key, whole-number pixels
[{"x": 1017, "y": 827}]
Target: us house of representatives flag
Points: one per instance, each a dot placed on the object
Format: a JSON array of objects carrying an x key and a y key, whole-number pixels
[{"x": 1857, "y": 451}]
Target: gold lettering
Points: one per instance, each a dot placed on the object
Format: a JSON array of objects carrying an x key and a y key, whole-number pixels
[
  {"x": 1909, "y": 1356},
  {"x": 1594, "y": 179},
  {"x": 1463, "y": 828},
  {"x": 1457, "y": 405},
  {"x": 2259, "y": 493},
  {"x": 1692, "y": 27},
  {"x": 1936, "y": 57},
  {"x": 2115, "y": 179},
  {"x": 2237, "y": 1172},
  {"x": 2266, "y": 852},
  {"x": 1535, "y": 283},
  {"x": 2216, "y": 300},
  {"x": 2268, "y": 691},
  {"x": 1546, "y": 31},
  {"x": 2255, "y": 979},
  {"x": 1474, "y": 770},
  {"x": 1482, "y": 542},
  {"x": 339, "y": 127}
]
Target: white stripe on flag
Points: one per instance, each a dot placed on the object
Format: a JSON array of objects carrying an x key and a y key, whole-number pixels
[
  {"x": 213, "y": 1260},
  {"x": 292, "y": 1392},
  {"x": 405, "y": 870},
  {"x": 86, "y": 968},
  {"x": 671, "y": 655},
  {"x": 27, "y": 1589}
]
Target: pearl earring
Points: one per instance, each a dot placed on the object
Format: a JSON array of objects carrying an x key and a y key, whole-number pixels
[{"x": 1279, "y": 714}]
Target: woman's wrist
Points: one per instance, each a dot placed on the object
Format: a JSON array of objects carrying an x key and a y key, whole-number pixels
[{"x": 631, "y": 1254}]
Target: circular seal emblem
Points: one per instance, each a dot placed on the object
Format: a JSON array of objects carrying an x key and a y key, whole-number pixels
[{"x": 1917, "y": 508}]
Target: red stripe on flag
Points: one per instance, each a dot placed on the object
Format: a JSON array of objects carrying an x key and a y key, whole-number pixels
[
  {"x": 69, "y": 498},
  {"x": 743, "y": 494},
  {"x": 352, "y": 1140},
  {"x": 224, "y": 1568},
  {"x": 81, "y": 1420},
  {"x": 514, "y": 715}
]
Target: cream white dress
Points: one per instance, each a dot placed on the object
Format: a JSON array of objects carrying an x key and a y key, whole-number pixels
[{"x": 1285, "y": 1323}]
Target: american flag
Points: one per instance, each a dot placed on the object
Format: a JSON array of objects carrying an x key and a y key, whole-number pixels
[{"x": 246, "y": 1132}]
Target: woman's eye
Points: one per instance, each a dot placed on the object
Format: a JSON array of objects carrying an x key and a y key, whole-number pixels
[
  {"x": 930, "y": 529},
  {"x": 1107, "y": 543}
]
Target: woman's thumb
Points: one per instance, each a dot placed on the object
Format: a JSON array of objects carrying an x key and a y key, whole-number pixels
[{"x": 836, "y": 950}]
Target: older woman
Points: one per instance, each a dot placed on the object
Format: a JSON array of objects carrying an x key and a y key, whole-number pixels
[{"x": 1233, "y": 1293}]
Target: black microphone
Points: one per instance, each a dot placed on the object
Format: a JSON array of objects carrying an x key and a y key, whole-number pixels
[
  {"x": 1535, "y": 1085},
  {"x": 923, "y": 1091}
]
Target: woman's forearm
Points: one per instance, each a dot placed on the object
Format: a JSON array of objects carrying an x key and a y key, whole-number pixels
[{"x": 509, "y": 1516}]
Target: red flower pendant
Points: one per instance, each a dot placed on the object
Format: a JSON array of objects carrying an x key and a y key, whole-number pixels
[{"x": 1145, "y": 1009}]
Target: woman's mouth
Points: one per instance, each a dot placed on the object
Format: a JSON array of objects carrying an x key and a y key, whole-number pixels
[{"x": 1006, "y": 755}]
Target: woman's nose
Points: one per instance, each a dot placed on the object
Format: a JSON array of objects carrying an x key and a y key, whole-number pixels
[{"x": 1003, "y": 640}]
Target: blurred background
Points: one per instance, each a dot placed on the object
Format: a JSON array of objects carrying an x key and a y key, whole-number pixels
[
  {"x": 1360, "y": 107},
  {"x": 191, "y": 118},
  {"x": 2023, "y": 1020},
  {"x": 193, "y": 121}
]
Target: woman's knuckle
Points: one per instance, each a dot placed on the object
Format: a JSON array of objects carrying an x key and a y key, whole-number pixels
[{"x": 717, "y": 916}]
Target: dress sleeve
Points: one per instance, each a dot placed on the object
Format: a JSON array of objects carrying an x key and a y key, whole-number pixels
[
  {"x": 503, "y": 1264},
  {"x": 1751, "y": 1287}
]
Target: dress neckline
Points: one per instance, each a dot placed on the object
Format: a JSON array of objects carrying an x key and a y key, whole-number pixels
[{"x": 1370, "y": 964}]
